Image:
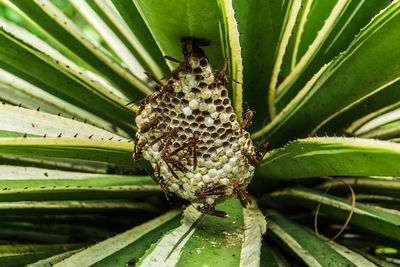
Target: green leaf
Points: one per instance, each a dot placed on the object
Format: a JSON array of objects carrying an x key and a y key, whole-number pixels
[
  {"x": 208, "y": 240},
  {"x": 52, "y": 76},
  {"x": 373, "y": 103},
  {"x": 74, "y": 207},
  {"x": 36, "y": 123},
  {"x": 378, "y": 221},
  {"x": 254, "y": 18},
  {"x": 55, "y": 163},
  {"x": 373, "y": 187},
  {"x": 126, "y": 246},
  {"x": 99, "y": 150},
  {"x": 348, "y": 78},
  {"x": 107, "y": 13},
  {"x": 54, "y": 259},
  {"x": 309, "y": 248},
  {"x": 355, "y": 16},
  {"x": 52, "y": 20},
  {"x": 316, "y": 157},
  {"x": 392, "y": 131},
  {"x": 375, "y": 119},
  {"x": 233, "y": 51},
  {"x": 134, "y": 21},
  {"x": 312, "y": 48},
  {"x": 19, "y": 255},
  {"x": 169, "y": 21},
  {"x": 29, "y": 183}
]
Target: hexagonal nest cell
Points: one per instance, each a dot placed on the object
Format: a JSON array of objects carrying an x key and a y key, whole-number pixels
[{"x": 193, "y": 137}]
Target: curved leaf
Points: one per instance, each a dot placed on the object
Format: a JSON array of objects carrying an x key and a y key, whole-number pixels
[
  {"x": 308, "y": 247},
  {"x": 52, "y": 20},
  {"x": 258, "y": 50},
  {"x": 134, "y": 21},
  {"x": 29, "y": 183},
  {"x": 51, "y": 75},
  {"x": 381, "y": 222},
  {"x": 343, "y": 81},
  {"x": 34, "y": 122},
  {"x": 124, "y": 247},
  {"x": 316, "y": 157},
  {"x": 232, "y": 50},
  {"x": 98, "y": 150},
  {"x": 356, "y": 14},
  {"x": 169, "y": 21}
]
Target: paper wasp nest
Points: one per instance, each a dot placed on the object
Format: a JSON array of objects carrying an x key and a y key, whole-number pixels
[{"x": 199, "y": 110}]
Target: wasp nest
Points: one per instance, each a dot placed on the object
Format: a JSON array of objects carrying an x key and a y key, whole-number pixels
[{"x": 189, "y": 132}]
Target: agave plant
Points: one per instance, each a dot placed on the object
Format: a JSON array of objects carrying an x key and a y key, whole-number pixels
[{"x": 320, "y": 76}]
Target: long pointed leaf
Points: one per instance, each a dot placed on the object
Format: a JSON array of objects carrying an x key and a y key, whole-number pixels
[
  {"x": 332, "y": 89},
  {"x": 316, "y": 157},
  {"x": 313, "y": 251},
  {"x": 378, "y": 221},
  {"x": 100, "y": 150},
  {"x": 52, "y": 20}
]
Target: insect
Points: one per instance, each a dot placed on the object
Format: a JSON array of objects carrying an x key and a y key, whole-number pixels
[
  {"x": 163, "y": 138},
  {"x": 242, "y": 195},
  {"x": 176, "y": 164},
  {"x": 161, "y": 180},
  {"x": 138, "y": 150},
  {"x": 260, "y": 153},
  {"x": 188, "y": 148},
  {"x": 149, "y": 125},
  {"x": 190, "y": 45},
  {"x": 132, "y": 262},
  {"x": 247, "y": 118},
  {"x": 183, "y": 65},
  {"x": 210, "y": 190},
  {"x": 144, "y": 101},
  {"x": 165, "y": 89},
  {"x": 250, "y": 157},
  {"x": 222, "y": 77},
  {"x": 166, "y": 142},
  {"x": 208, "y": 209}
]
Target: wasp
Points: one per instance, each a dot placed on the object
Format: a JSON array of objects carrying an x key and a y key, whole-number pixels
[
  {"x": 176, "y": 164},
  {"x": 138, "y": 150},
  {"x": 149, "y": 125},
  {"x": 165, "y": 89},
  {"x": 260, "y": 153},
  {"x": 163, "y": 139},
  {"x": 242, "y": 195},
  {"x": 161, "y": 180},
  {"x": 210, "y": 190},
  {"x": 144, "y": 101},
  {"x": 189, "y": 148},
  {"x": 183, "y": 65},
  {"x": 222, "y": 77},
  {"x": 257, "y": 156},
  {"x": 247, "y": 118},
  {"x": 166, "y": 142},
  {"x": 250, "y": 157},
  {"x": 208, "y": 209}
]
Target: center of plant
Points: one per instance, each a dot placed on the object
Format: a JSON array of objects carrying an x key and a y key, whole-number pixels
[{"x": 189, "y": 132}]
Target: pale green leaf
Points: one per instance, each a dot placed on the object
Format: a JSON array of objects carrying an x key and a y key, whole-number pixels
[
  {"x": 169, "y": 21},
  {"x": 375, "y": 220},
  {"x": 60, "y": 27},
  {"x": 99, "y": 150},
  {"x": 311, "y": 250},
  {"x": 34, "y": 122},
  {"x": 316, "y": 157},
  {"x": 343, "y": 81},
  {"x": 261, "y": 23}
]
